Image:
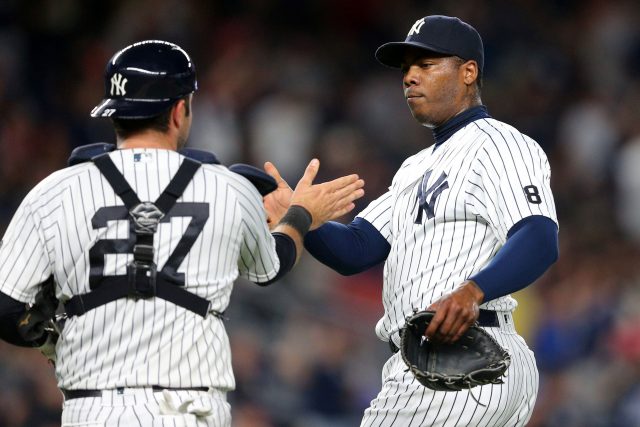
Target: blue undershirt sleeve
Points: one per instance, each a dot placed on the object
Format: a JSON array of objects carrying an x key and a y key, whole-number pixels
[
  {"x": 531, "y": 248},
  {"x": 347, "y": 249}
]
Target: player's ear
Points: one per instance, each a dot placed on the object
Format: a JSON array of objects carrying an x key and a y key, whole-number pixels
[
  {"x": 470, "y": 72},
  {"x": 186, "y": 104},
  {"x": 178, "y": 113}
]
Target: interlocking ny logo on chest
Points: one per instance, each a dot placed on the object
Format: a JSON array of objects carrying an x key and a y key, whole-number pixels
[{"x": 427, "y": 195}]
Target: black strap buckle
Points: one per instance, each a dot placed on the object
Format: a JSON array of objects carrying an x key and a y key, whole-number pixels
[
  {"x": 143, "y": 253},
  {"x": 142, "y": 279}
]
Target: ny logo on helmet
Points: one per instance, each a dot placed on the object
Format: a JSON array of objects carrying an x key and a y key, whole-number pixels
[
  {"x": 416, "y": 27},
  {"x": 117, "y": 84}
]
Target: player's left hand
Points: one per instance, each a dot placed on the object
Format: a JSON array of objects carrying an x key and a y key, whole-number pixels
[
  {"x": 277, "y": 202},
  {"x": 328, "y": 200},
  {"x": 455, "y": 313}
]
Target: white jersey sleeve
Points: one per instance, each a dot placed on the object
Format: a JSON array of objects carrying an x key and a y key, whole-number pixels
[
  {"x": 258, "y": 259},
  {"x": 24, "y": 257},
  {"x": 510, "y": 181},
  {"x": 378, "y": 214}
]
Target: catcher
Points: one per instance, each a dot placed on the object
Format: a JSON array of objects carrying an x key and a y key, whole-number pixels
[{"x": 144, "y": 240}]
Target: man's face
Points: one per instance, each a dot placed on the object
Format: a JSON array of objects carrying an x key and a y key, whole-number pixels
[{"x": 434, "y": 86}]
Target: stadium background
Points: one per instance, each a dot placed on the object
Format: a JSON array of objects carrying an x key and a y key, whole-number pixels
[{"x": 288, "y": 80}]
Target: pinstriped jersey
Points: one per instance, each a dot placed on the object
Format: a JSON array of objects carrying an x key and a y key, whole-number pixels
[
  {"x": 448, "y": 212},
  {"x": 128, "y": 342}
]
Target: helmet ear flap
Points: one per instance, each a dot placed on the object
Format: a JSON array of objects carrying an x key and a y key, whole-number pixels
[{"x": 144, "y": 79}]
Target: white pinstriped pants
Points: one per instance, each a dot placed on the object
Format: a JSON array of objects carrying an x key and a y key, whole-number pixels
[
  {"x": 147, "y": 408},
  {"x": 403, "y": 401}
]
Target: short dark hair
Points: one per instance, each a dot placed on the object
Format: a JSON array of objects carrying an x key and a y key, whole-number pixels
[{"x": 126, "y": 127}]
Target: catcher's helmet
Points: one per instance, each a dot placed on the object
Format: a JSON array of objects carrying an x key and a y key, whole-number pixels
[{"x": 144, "y": 79}]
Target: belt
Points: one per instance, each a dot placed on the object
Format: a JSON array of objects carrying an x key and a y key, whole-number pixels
[
  {"x": 486, "y": 318},
  {"x": 78, "y": 394}
]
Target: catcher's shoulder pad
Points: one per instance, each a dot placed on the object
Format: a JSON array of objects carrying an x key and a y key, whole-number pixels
[
  {"x": 86, "y": 152},
  {"x": 264, "y": 182},
  {"x": 202, "y": 156}
]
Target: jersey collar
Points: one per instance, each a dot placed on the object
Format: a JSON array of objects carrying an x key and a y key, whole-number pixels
[{"x": 446, "y": 130}]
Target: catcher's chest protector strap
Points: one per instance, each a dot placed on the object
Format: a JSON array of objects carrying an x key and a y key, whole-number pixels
[{"x": 142, "y": 279}]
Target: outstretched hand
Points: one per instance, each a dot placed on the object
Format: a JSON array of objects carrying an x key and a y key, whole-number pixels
[
  {"x": 277, "y": 202},
  {"x": 455, "y": 313},
  {"x": 329, "y": 200},
  {"x": 325, "y": 202}
]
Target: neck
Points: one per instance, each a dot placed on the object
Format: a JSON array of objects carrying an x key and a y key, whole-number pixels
[
  {"x": 149, "y": 139},
  {"x": 447, "y": 129}
]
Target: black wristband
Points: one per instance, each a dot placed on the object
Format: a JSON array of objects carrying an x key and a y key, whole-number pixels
[{"x": 298, "y": 218}]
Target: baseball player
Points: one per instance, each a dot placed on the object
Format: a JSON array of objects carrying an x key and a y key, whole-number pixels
[
  {"x": 142, "y": 244},
  {"x": 464, "y": 223}
]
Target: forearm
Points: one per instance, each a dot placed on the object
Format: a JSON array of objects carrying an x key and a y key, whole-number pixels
[
  {"x": 289, "y": 234},
  {"x": 295, "y": 224},
  {"x": 531, "y": 248},
  {"x": 348, "y": 249}
]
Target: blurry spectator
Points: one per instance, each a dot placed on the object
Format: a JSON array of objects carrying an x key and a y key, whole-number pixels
[
  {"x": 588, "y": 137},
  {"x": 283, "y": 125},
  {"x": 627, "y": 178}
]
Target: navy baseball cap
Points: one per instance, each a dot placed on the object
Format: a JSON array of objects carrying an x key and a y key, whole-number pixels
[{"x": 436, "y": 33}]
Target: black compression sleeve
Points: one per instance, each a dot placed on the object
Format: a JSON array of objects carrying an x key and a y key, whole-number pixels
[
  {"x": 287, "y": 253},
  {"x": 10, "y": 312},
  {"x": 531, "y": 248},
  {"x": 348, "y": 249}
]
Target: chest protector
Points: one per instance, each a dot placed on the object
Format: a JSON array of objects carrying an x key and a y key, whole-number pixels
[{"x": 142, "y": 280}]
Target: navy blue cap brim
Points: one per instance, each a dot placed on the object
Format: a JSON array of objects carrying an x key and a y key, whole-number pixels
[
  {"x": 393, "y": 54},
  {"x": 130, "y": 109}
]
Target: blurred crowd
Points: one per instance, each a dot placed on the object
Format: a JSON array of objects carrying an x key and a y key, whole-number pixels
[{"x": 287, "y": 80}]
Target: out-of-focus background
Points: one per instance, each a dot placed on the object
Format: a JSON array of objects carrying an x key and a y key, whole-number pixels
[{"x": 287, "y": 80}]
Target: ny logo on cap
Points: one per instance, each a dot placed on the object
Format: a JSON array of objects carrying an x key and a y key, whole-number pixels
[
  {"x": 416, "y": 27},
  {"x": 117, "y": 84}
]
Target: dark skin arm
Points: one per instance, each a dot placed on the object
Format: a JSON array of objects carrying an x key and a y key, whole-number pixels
[{"x": 455, "y": 313}]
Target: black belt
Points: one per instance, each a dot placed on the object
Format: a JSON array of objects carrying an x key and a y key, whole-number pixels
[
  {"x": 78, "y": 394},
  {"x": 486, "y": 319}
]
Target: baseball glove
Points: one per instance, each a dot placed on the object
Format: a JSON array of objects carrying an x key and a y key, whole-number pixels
[
  {"x": 475, "y": 359},
  {"x": 39, "y": 324}
]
